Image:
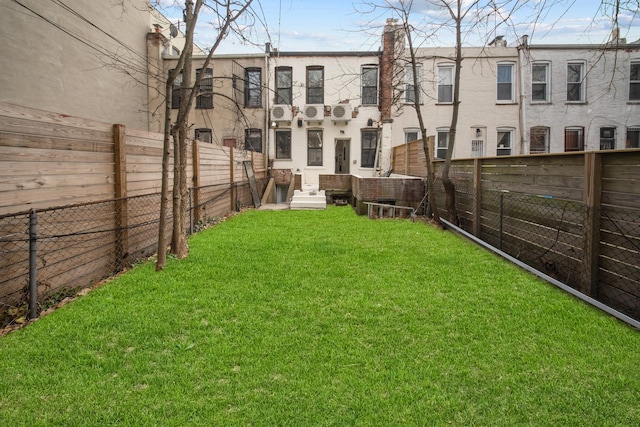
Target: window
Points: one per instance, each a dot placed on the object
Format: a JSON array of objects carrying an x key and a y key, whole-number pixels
[
  {"x": 370, "y": 85},
  {"x": 505, "y": 82},
  {"x": 253, "y": 87},
  {"x": 607, "y": 138},
  {"x": 575, "y": 80},
  {"x": 283, "y": 86},
  {"x": 477, "y": 148},
  {"x": 539, "y": 140},
  {"x": 540, "y": 83},
  {"x": 411, "y": 135},
  {"x": 203, "y": 135},
  {"x": 634, "y": 81},
  {"x": 505, "y": 142},
  {"x": 175, "y": 92},
  {"x": 410, "y": 89},
  {"x": 369, "y": 148},
  {"x": 283, "y": 144},
  {"x": 253, "y": 140},
  {"x": 445, "y": 83},
  {"x": 633, "y": 137},
  {"x": 315, "y": 85},
  {"x": 314, "y": 147},
  {"x": 574, "y": 139},
  {"x": 204, "y": 97},
  {"x": 443, "y": 143}
]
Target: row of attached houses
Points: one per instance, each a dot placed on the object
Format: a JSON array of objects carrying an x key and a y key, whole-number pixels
[
  {"x": 319, "y": 113},
  {"x": 343, "y": 112}
]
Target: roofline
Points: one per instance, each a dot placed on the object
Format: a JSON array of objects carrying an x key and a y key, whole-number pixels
[
  {"x": 327, "y": 53},
  {"x": 608, "y": 46}
]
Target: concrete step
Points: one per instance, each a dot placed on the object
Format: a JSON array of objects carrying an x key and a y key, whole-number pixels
[{"x": 308, "y": 198}]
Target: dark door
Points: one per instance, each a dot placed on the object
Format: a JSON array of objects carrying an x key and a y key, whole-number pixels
[{"x": 342, "y": 156}]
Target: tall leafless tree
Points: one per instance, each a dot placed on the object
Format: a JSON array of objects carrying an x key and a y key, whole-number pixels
[{"x": 228, "y": 12}]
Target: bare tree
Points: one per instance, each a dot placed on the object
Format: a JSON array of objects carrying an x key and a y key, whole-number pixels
[{"x": 228, "y": 12}]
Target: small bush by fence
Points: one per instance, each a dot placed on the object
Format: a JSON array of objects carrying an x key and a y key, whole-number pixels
[{"x": 58, "y": 251}]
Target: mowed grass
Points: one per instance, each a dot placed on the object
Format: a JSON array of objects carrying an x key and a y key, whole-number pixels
[{"x": 314, "y": 318}]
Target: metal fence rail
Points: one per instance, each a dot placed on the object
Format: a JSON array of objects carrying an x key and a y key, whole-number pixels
[{"x": 595, "y": 251}]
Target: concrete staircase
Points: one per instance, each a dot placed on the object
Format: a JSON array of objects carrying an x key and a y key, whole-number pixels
[{"x": 308, "y": 198}]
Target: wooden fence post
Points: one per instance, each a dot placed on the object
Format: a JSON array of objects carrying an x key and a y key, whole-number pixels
[
  {"x": 231, "y": 185},
  {"x": 591, "y": 227},
  {"x": 195, "y": 213},
  {"x": 477, "y": 195},
  {"x": 121, "y": 205}
]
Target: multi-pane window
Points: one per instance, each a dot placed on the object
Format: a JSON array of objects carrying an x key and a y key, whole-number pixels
[
  {"x": 633, "y": 137},
  {"x": 369, "y": 148},
  {"x": 634, "y": 81},
  {"x": 283, "y": 144},
  {"x": 505, "y": 142},
  {"x": 253, "y": 140},
  {"x": 314, "y": 147},
  {"x": 410, "y": 88},
  {"x": 539, "y": 140},
  {"x": 540, "y": 83},
  {"x": 283, "y": 86},
  {"x": 315, "y": 85},
  {"x": 443, "y": 143},
  {"x": 411, "y": 135},
  {"x": 369, "y": 79},
  {"x": 203, "y": 135},
  {"x": 253, "y": 87},
  {"x": 204, "y": 97},
  {"x": 175, "y": 91},
  {"x": 607, "y": 138},
  {"x": 574, "y": 138},
  {"x": 445, "y": 83},
  {"x": 575, "y": 82},
  {"x": 505, "y": 82}
]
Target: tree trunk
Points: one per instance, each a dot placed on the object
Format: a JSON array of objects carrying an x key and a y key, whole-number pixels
[{"x": 432, "y": 206}]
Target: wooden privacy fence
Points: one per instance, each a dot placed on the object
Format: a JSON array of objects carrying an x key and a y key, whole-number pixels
[
  {"x": 573, "y": 216},
  {"x": 79, "y": 199}
]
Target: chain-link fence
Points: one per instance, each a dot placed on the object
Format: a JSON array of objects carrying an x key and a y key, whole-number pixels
[
  {"x": 48, "y": 254},
  {"x": 595, "y": 251}
]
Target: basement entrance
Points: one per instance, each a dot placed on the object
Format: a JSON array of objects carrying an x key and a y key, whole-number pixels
[{"x": 342, "y": 156}]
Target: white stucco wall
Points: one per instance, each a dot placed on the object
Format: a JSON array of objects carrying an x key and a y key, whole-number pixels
[
  {"x": 342, "y": 85},
  {"x": 479, "y": 108},
  {"x": 606, "y": 95},
  {"x": 98, "y": 73}
]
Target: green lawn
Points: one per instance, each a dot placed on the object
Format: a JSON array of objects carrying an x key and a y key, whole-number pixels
[{"x": 308, "y": 318}]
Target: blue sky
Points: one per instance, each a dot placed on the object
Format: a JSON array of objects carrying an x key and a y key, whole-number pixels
[{"x": 341, "y": 25}]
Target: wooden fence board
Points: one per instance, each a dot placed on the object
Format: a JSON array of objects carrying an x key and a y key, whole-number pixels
[{"x": 45, "y": 142}]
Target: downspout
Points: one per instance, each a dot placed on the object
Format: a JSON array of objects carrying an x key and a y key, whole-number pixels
[
  {"x": 267, "y": 52},
  {"x": 522, "y": 107}
]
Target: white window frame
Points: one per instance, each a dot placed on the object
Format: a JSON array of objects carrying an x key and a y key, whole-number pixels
[
  {"x": 366, "y": 68},
  {"x": 546, "y": 83},
  {"x": 505, "y": 151},
  {"x": 450, "y": 69},
  {"x": 511, "y": 83},
  {"x": 583, "y": 82},
  {"x": 439, "y": 147},
  {"x": 408, "y": 83},
  {"x": 634, "y": 82},
  {"x": 204, "y": 135},
  {"x": 409, "y": 131}
]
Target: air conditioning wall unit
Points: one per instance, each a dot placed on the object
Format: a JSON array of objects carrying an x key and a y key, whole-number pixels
[
  {"x": 281, "y": 113},
  {"x": 314, "y": 112},
  {"x": 341, "y": 112}
]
